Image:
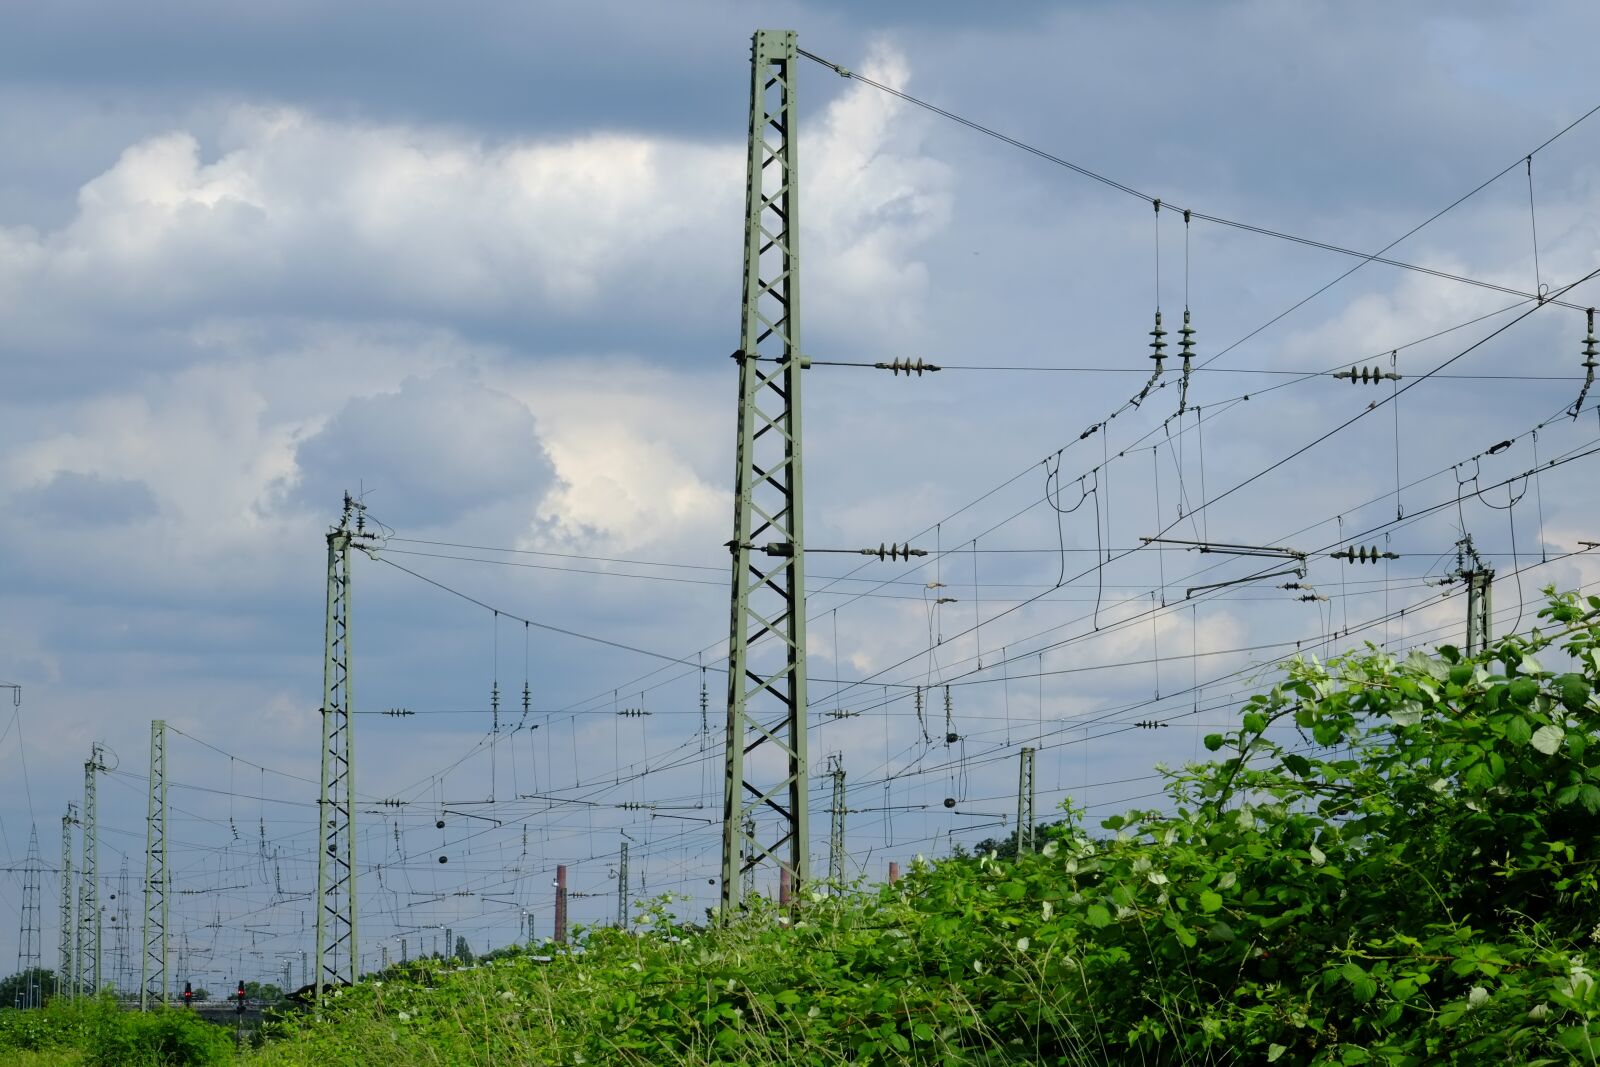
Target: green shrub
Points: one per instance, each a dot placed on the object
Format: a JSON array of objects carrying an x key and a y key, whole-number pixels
[
  {"x": 59, "y": 1024},
  {"x": 166, "y": 1038},
  {"x": 1390, "y": 861}
]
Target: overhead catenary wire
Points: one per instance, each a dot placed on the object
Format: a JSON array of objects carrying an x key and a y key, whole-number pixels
[{"x": 1093, "y": 175}]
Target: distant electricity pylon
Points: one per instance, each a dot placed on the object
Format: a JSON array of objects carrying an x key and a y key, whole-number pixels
[
  {"x": 89, "y": 971},
  {"x": 338, "y": 961},
  {"x": 29, "y": 958},
  {"x": 836, "y": 827},
  {"x": 67, "y": 976},
  {"x": 1025, "y": 798},
  {"x": 153, "y": 969}
]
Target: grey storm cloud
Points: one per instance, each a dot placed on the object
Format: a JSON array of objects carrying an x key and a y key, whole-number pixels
[
  {"x": 438, "y": 448},
  {"x": 88, "y": 499}
]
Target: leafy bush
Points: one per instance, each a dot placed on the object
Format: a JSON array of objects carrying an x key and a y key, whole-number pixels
[
  {"x": 109, "y": 1036},
  {"x": 59, "y": 1024},
  {"x": 167, "y": 1038},
  {"x": 1413, "y": 880}
]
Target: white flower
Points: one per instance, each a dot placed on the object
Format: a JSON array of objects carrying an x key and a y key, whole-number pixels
[
  {"x": 377, "y": 985},
  {"x": 1538, "y": 1011},
  {"x": 1050, "y": 849},
  {"x": 1141, "y": 865},
  {"x": 1228, "y": 880},
  {"x": 729, "y": 986},
  {"x": 813, "y": 1011},
  {"x": 1594, "y": 935},
  {"x": 1317, "y": 858},
  {"x": 977, "y": 965},
  {"x": 1124, "y": 912},
  {"x": 506, "y": 994},
  {"x": 1047, "y": 909},
  {"x": 404, "y": 1016},
  {"x": 1477, "y": 996},
  {"x": 1579, "y": 980},
  {"x": 635, "y": 965},
  {"x": 1156, "y": 878},
  {"x": 1022, "y": 944}
]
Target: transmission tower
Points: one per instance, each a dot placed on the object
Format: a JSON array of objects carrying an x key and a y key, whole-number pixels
[
  {"x": 338, "y": 962},
  {"x": 153, "y": 969},
  {"x": 67, "y": 975},
  {"x": 29, "y": 959},
  {"x": 122, "y": 916},
  {"x": 1025, "y": 802},
  {"x": 89, "y": 973},
  {"x": 1479, "y": 577},
  {"x": 836, "y": 828},
  {"x": 767, "y": 678},
  {"x": 622, "y": 888},
  {"x": 748, "y": 880}
]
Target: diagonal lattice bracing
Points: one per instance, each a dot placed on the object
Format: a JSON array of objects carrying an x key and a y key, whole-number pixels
[
  {"x": 337, "y": 958},
  {"x": 153, "y": 971},
  {"x": 764, "y": 795}
]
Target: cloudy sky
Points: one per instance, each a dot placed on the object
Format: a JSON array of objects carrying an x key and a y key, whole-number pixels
[{"x": 484, "y": 270}]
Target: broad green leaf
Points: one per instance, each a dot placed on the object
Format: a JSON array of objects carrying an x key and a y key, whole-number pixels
[
  {"x": 1575, "y": 690},
  {"x": 1213, "y": 742},
  {"x": 1362, "y": 987},
  {"x": 1407, "y": 714},
  {"x": 1097, "y": 915},
  {"x": 1275, "y": 1052},
  {"x": 1519, "y": 730},
  {"x": 1254, "y": 722},
  {"x": 1522, "y": 691},
  {"x": 1210, "y": 901},
  {"x": 1547, "y": 739}
]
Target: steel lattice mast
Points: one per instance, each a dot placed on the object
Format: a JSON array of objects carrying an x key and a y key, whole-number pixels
[
  {"x": 67, "y": 975},
  {"x": 836, "y": 827},
  {"x": 123, "y": 916},
  {"x": 767, "y": 632},
  {"x": 153, "y": 969},
  {"x": 1025, "y": 797},
  {"x": 29, "y": 958},
  {"x": 337, "y": 961},
  {"x": 622, "y": 888},
  {"x": 89, "y": 976}
]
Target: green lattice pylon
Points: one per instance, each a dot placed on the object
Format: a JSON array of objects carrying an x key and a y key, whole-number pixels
[{"x": 765, "y": 769}]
